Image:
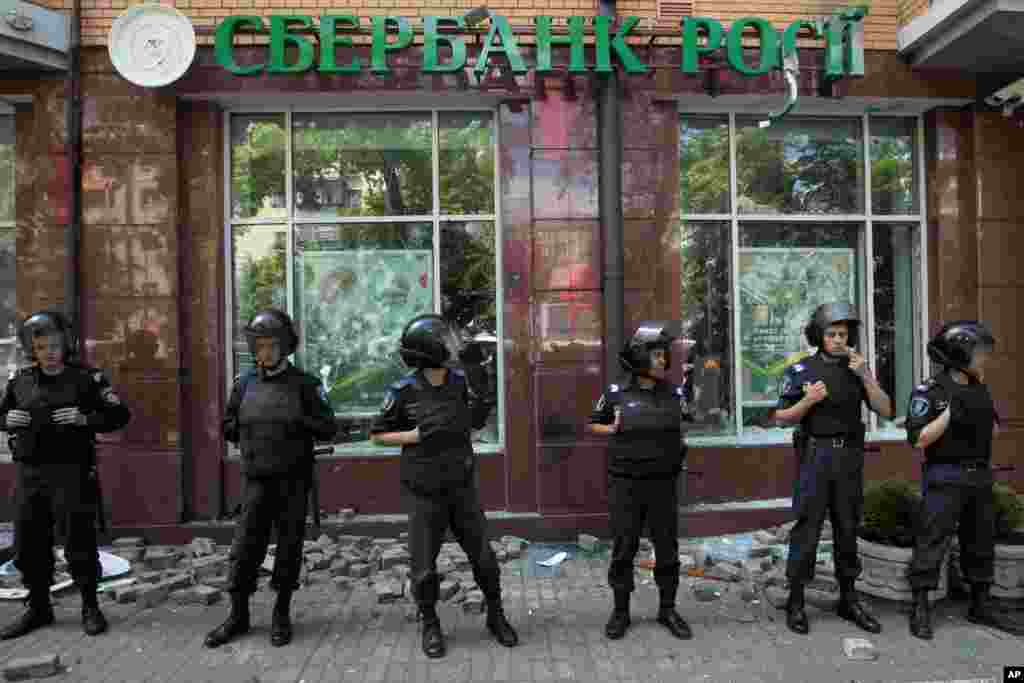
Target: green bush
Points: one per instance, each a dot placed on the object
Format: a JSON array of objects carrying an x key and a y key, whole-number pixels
[
  {"x": 1009, "y": 510},
  {"x": 890, "y": 512}
]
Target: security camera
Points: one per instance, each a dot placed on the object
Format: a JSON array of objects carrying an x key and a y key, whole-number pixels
[{"x": 1007, "y": 98}]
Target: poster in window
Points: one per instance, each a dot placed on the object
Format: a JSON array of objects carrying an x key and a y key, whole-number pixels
[
  {"x": 779, "y": 288},
  {"x": 353, "y": 305}
]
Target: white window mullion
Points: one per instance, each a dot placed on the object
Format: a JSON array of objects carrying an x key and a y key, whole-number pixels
[
  {"x": 499, "y": 283},
  {"x": 868, "y": 328},
  {"x": 436, "y": 193},
  {"x": 289, "y": 226},
  {"x": 922, "y": 207},
  {"x": 734, "y": 227},
  {"x": 229, "y": 291}
]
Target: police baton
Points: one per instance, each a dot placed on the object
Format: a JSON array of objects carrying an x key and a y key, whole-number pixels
[{"x": 314, "y": 484}]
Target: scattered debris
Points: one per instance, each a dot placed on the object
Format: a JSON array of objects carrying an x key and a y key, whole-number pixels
[
  {"x": 32, "y": 667},
  {"x": 859, "y": 649},
  {"x": 554, "y": 560}
]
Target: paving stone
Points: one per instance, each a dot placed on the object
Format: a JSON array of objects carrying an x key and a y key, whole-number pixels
[
  {"x": 685, "y": 563},
  {"x": 202, "y": 547},
  {"x": 25, "y": 668},
  {"x": 345, "y": 584},
  {"x": 132, "y": 554},
  {"x": 765, "y": 537},
  {"x": 126, "y": 594},
  {"x": 317, "y": 562},
  {"x": 401, "y": 571},
  {"x": 324, "y": 540},
  {"x": 859, "y": 649},
  {"x": 150, "y": 577},
  {"x": 514, "y": 548},
  {"x": 474, "y": 603},
  {"x": 501, "y": 554},
  {"x": 748, "y": 594},
  {"x": 821, "y": 599},
  {"x": 587, "y": 543},
  {"x": 162, "y": 559},
  {"x": 128, "y": 541},
  {"x": 724, "y": 571},
  {"x": 759, "y": 551},
  {"x": 340, "y": 567},
  {"x": 387, "y": 591},
  {"x": 646, "y": 545},
  {"x": 220, "y": 582},
  {"x": 152, "y": 595},
  {"x": 206, "y": 595},
  {"x": 207, "y": 567},
  {"x": 347, "y": 514},
  {"x": 776, "y": 596},
  {"x": 383, "y": 542},
  {"x": 445, "y": 566},
  {"x": 448, "y": 590},
  {"x": 176, "y": 581},
  {"x": 360, "y": 570},
  {"x": 824, "y": 584},
  {"x": 451, "y": 548},
  {"x": 461, "y": 561}
]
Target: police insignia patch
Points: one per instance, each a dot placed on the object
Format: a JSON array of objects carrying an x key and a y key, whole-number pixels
[
  {"x": 799, "y": 367},
  {"x": 919, "y": 406}
]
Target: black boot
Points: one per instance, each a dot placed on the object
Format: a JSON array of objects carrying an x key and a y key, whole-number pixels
[
  {"x": 432, "y": 635},
  {"x": 281, "y": 621},
  {"x": 850, "y": 608},
  {"x": 38, "y": 614},
  {"x": 93, "y": 621},
  {"x": 619, "y": 622},
  {"x": 796, "y": 617},
  {"x": 921, "y": 615},
  {"x": 236, "y": 624},
  {"x": 498, "y": 625},
  {"x": 676, "y": 625},
  {"x": 984, "y": 613}
]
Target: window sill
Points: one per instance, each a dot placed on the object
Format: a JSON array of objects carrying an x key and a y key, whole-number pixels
[
  {"x": 366, "y": 450},
  {"x": 781, "y": 437}
]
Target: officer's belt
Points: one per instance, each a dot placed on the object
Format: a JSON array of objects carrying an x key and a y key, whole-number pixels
[
  {"x": 839, "y": 441},
  {"x": 965, "y": 465}
]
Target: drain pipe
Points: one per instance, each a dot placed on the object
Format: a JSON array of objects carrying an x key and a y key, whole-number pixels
[
  {"x": 609, "y": 173},
  {"x": 73, "y": 228}
]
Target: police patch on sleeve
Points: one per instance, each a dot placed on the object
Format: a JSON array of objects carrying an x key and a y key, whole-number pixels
[{"x": 919, "y": 406}]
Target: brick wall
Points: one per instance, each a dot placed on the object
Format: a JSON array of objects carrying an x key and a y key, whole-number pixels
[{"x": 880, "y": 27}]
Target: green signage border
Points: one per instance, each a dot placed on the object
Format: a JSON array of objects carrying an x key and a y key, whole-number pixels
[{"x": 844, "y": 52}]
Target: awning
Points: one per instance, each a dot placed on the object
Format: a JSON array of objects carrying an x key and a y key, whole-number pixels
[
  {"x": 974, "y": 36},
  {"x": 32, "y": 38}
]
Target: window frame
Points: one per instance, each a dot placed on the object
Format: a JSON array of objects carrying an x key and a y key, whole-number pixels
[
  {"x": 9, "y": 111},
  {"x": 436, "y": 218},
  {"x": 867, "y": 219}
]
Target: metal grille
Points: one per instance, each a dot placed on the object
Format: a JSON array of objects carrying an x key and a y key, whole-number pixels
[{"x": 671, "y": 11}]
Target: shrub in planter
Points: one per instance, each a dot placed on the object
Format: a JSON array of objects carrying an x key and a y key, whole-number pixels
[
  {"x": 1009, "y": 561},
  {"x": 886, "y": 540},
  {"x": 1009, "y": 515}
]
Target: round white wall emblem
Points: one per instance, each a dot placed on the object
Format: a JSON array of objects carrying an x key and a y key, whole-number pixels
[{"x": 152, "y": 45}]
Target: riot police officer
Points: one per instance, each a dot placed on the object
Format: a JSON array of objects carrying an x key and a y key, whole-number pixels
[
  {"x": 276, "y": 412},
  {"x": 951, "y": 416},
  {"x": 644, "y": 420},
  {"x": 51, "y": 411},
  {"x": 430, "y": 413},
  {"x": 824, "y": 393}
]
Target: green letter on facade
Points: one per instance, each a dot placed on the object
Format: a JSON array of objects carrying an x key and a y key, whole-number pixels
[
  {"x": 574, "y": 40},
  {"x": 691, "y": 34},
  {"x": 602, "y": 48},
  {"x": 381, "y": 47},
  {"x": 280, "y": 39},
  {"x": 843, "y": 31},
  {"x": 431, "y": 40},
  {"x": 769, "y": 46},
  {"x": 224, "y": 44},
  {"x": 509, "y": 46},
  {"x": 330, "y": 41}
]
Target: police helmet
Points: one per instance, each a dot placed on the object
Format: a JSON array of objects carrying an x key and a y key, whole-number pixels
[
  {"x": 830, "y": 314},
  {"x": 272, "y": 322},
  {"x": 636, "y": 354},
  {"x": 44, "y": 323},
  {"x": 427, "y": 342},
  {"x": 956, "y": 342}
]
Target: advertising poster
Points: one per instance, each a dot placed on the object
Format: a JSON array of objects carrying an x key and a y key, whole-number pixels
[
  {"x": 353, "y": 305},
  {"x": 779, "y": 287}
]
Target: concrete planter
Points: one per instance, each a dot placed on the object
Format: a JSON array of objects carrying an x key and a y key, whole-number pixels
[
  {"x": 884, "y": 572},
  {"x": 1009, "y": 569}
]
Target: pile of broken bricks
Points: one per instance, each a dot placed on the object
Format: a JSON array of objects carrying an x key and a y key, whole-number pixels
[{"x": 197, "y": 573}]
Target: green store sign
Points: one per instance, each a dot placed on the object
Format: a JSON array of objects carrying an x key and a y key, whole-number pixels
[{"x": 844, "y": 52}]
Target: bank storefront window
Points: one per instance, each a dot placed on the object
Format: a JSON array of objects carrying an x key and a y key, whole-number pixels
[
  {"x": 775, "y": 221},
  {"x": 355, "y": 222},
  {"x": 8, "y": 291}
]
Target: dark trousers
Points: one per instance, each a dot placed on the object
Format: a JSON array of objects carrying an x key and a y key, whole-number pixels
[
  {"x": 831, "y": 480},
  {"x": 49, "y": 495},
  {"x": 280, "y": 502},
  {"x": 631, "y": 504},
  {"x": 430, "y": 517},
  {"x": 952, "y": 496}
]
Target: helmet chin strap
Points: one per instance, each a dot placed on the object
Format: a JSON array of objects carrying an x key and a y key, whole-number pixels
[{"x": 271, "y": 371}]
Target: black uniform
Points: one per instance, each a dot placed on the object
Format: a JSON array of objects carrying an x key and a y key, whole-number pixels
[
  {"x": 56, "y": 469},
  {"x": 438, "y": 479},
  {"x": 956, "y": 481},
  {"x": 830, "y": 443},
  {"x": 644, "y": 462},
  {"x": 275, "y": 419}
]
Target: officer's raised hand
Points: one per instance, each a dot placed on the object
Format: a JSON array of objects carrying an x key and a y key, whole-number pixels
[
  {"x": 69, "y": 416},
  {"x": 18, "y": 418},
  {"x": 858, "y": 364},
  {"x": 815, "y": 393}
]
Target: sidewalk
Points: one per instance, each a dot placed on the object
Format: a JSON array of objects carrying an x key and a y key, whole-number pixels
[{"x": 343, "y": 636}]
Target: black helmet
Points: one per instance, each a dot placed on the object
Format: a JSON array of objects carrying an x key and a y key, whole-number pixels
[
  {"x": 271, "y": 322},
  {"x": 649, "y": 335},
  {"x": 956, "y": 342},
  {"x": 46, "y": 323},
  {"x": 830, "y": 314},
  {"x": 427, "y": 342}
]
